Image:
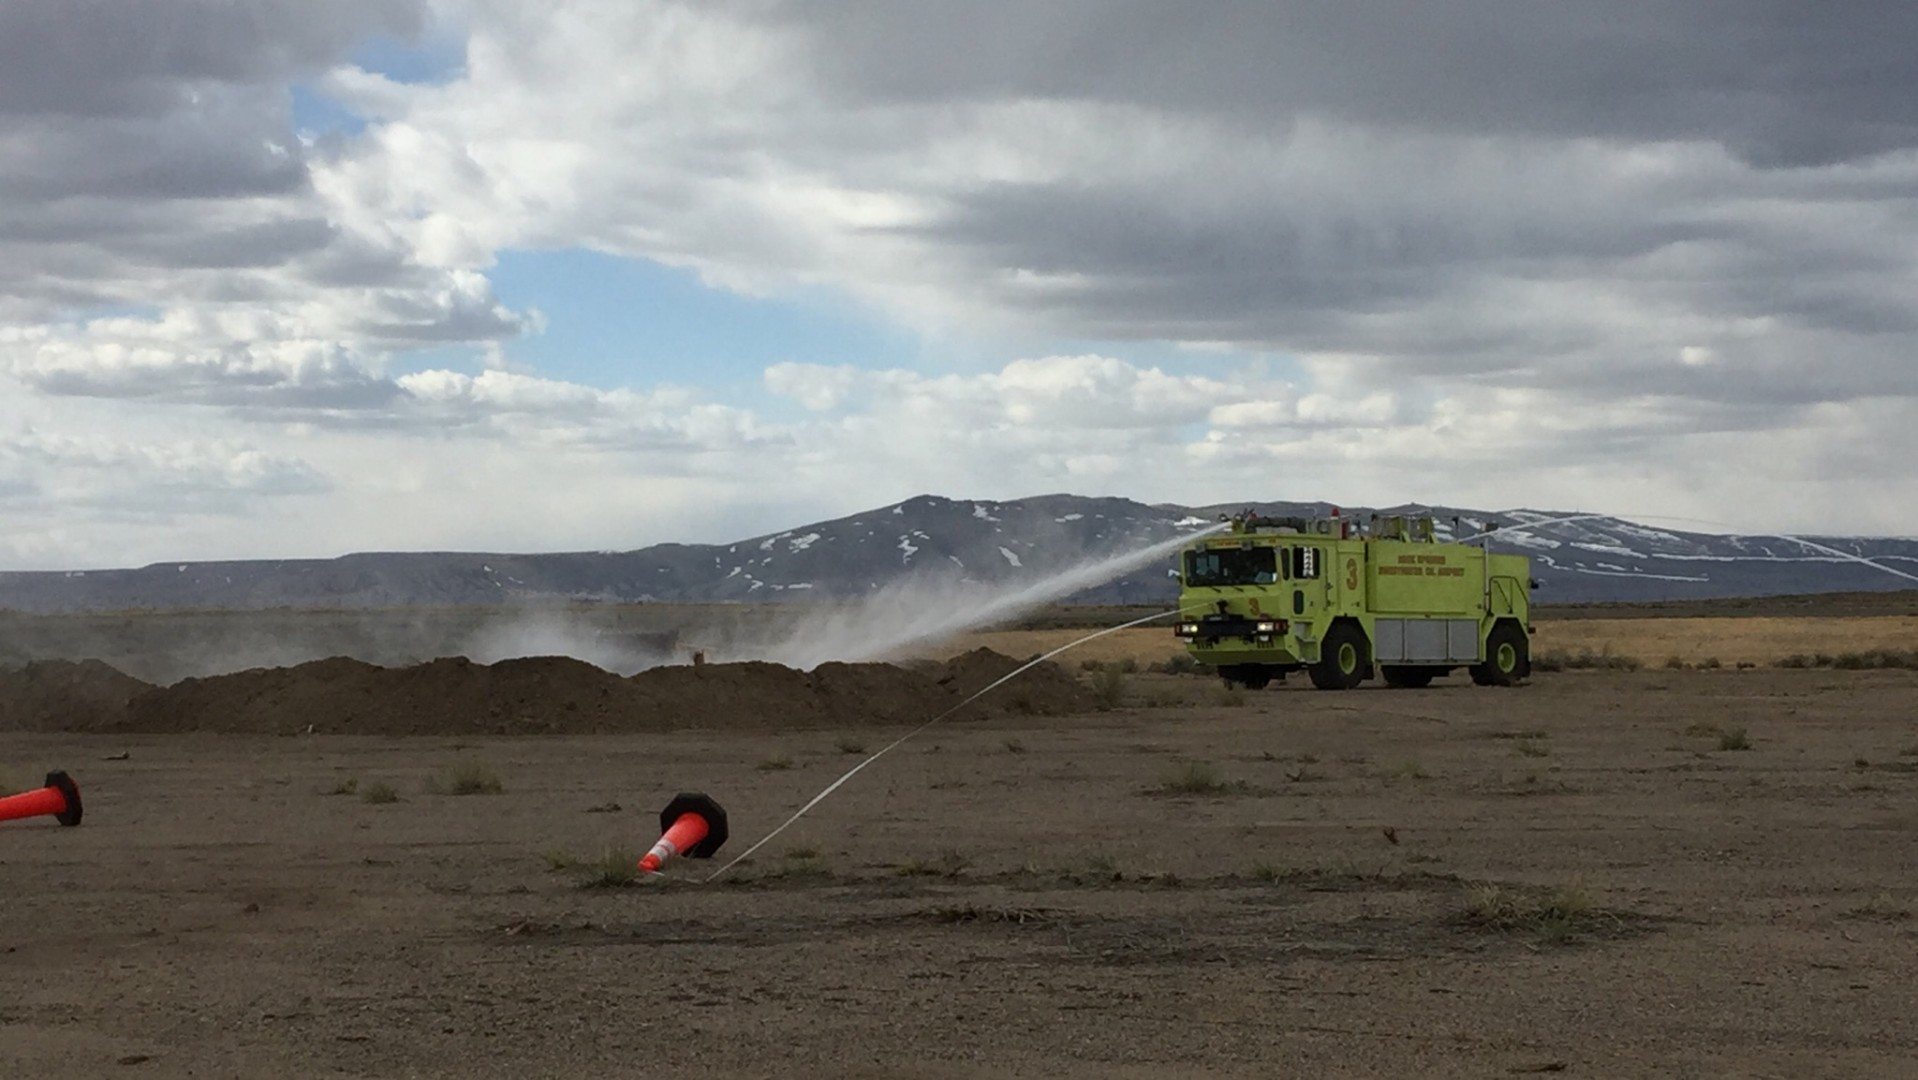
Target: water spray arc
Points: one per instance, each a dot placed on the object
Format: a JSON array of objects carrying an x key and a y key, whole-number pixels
[
  {"x": 1059, "y": 585},
  {"x": 920, "y": 611}
]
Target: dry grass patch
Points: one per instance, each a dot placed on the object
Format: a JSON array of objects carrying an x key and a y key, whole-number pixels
[
  {"x": 1108, "y": 687},
  {"x": 1554, "y": 916},
  {"x": 378, "y": 794},
  {"x": 1199, "y": 778},
  {"x": 788, "y": 872},
  {"x": 976, "y": 913},
  {"x": 950, "y": 864},
  {"x": 1881, "y": 907},
  {"x": 1863, "y": 660},
  {"x": 467, "y": 778},
  {"x": 1407, "y": 770},
  {"x": 1179, "y": 664},
  {"x": 615, "y": 868},
  {"x": 1585, "y": 660}
]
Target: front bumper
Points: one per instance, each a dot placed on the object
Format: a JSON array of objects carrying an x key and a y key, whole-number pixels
[{"x": 1219, "y": 629}]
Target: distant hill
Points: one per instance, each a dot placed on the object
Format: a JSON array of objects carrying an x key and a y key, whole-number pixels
[{"x": 1593, "y": 559}]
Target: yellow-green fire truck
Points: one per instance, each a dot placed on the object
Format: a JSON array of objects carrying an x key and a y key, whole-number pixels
[{"x": 1268, "y": 596}]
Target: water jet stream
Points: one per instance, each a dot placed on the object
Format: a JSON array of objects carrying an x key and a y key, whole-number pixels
[{"x": 921, "y": 610}]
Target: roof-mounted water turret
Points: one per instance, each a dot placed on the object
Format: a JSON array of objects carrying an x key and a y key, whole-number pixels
[{"x": 1413, "y": 528}]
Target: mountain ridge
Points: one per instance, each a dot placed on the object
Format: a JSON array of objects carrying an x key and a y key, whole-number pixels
[{"x": 1590, "y": 558}]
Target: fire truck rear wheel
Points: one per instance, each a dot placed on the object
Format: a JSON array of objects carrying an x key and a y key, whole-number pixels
[
  {"x": 1508, "y": 657},
  {"x": 1345, "y": 658}
]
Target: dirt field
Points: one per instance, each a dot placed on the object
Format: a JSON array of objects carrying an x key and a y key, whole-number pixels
[
  {"x": 1759, "y": 640},
  {"x": 1571, "y": 877}
]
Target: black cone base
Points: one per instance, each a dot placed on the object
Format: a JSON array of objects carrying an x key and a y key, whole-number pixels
[
  {"x": 696, "y": 802},
  {"x": 69, "y": 791}
]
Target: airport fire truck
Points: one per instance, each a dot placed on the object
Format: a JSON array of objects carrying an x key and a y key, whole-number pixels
[{"x": 1267, "y": 596}]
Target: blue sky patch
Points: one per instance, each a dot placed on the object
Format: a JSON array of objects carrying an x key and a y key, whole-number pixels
[{"x": 617, "y": 321}]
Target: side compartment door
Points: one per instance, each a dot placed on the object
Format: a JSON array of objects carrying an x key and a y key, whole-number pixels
[
  {"x": 1347, "y": 580},
  {"x": 1306, "y": 568}
]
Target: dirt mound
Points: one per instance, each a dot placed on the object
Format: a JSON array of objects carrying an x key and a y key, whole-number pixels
[
  {"x": 541, "y": 695},
  {"x": 65, "y": 695},
  {"x": 1047, "y": 689}
]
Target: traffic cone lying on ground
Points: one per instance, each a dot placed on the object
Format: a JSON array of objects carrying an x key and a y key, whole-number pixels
[
  {"x": 61, "y": 798},
  {"x": 693, "y": 825}
]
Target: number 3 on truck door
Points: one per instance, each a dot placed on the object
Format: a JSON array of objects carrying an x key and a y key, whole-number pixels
[{"x": 1352, "y": 574}]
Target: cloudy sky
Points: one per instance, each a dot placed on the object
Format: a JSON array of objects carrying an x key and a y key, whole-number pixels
[{"x": 283, "y": 278}]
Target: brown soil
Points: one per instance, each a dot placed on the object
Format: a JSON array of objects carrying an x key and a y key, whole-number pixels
[
  {"x": 1571, "y": 877},
  {"x": 537, "y": 696},
  {"x": 1045, "y": 689},
  {"x": 64, "y": 695}
]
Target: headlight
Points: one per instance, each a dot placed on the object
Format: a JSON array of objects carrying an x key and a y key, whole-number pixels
[
  {"x": 1266, "y": 627},
  {"x": 1187, "y": 629}
]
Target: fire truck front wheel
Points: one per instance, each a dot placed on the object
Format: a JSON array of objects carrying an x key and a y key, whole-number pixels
[
  {"x": 1407, "y": 678},
  {"x": 1345, "y": 658},
  {"x": 1250, "y": 676}
]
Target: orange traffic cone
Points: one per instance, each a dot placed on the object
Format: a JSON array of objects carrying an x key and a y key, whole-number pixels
[
  {"x": 61, "y": 798},
  {"x": 693, "y": 825}
]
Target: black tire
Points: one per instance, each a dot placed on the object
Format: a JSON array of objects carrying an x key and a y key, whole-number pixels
[
  {"x": 1408, "y": 678},
  {"x": 1345, "y": 658},
  {"x": 1508, "y": 657},
  {"x": 1250, "y": 676}
]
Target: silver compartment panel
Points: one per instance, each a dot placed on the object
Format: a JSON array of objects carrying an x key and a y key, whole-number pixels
[{"x": 1425, "y": 641}]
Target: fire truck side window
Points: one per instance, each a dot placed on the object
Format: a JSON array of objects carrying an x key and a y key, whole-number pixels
[{"x": 1305, "y": 563}]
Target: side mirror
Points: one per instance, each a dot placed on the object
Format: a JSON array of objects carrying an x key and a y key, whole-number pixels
[{"x": 1176, "y": 576}]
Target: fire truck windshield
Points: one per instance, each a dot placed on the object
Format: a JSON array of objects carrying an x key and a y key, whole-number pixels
[{"x": 1231, "y": 566}]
